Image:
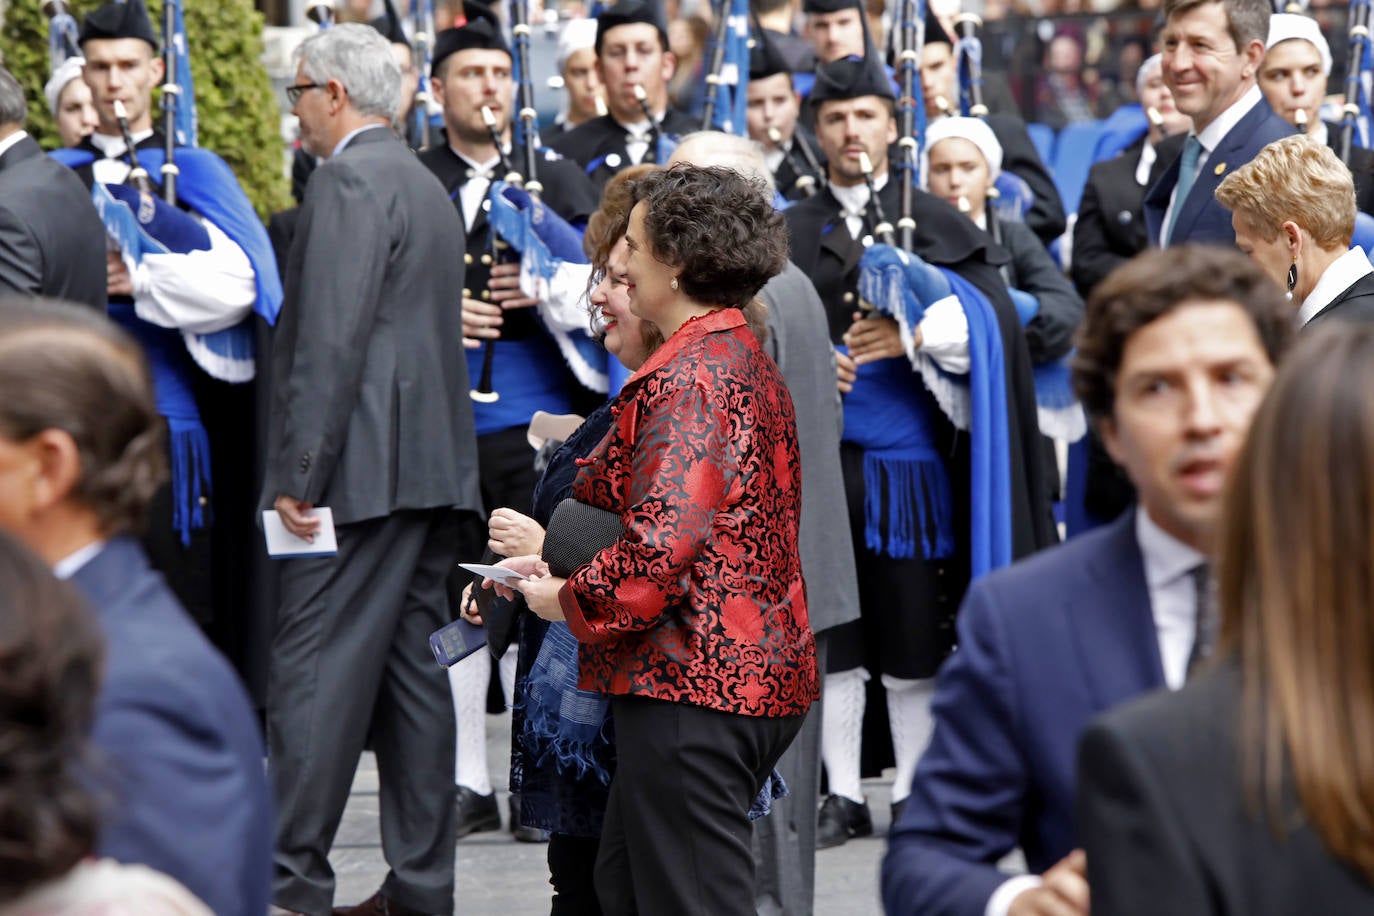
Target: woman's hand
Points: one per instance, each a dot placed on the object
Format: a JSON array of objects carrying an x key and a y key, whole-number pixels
[
  {"x": 529, "y": 565},
  {"x": 541, "y": 596},
  {"x": 511, "y": 534},
  {"x": 467, "y": 606}
]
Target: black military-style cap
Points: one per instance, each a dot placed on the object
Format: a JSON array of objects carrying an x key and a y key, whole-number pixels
[
  {"x": 851, "y": 78},
  {"x": 936, "y": 33},
  {"x": 765, "y": 59},
  {"x": 389, "y": 24},
  {"x": 830, "y": 6},
  {"x": 481, "y": 30},
  {"x": 628, "y": 12},
  {"x": 119, "y": 20}
]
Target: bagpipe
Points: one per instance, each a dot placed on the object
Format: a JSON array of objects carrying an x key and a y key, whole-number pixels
[
  {"x": 422, "y": 51},
  {"x": 1359, "y": 75},
  {"x": 1010, "y": 196},
  {"x": 728, "y": 76}
]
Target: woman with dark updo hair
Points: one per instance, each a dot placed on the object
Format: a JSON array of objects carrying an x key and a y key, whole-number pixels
[
  {"x": 51, "y": 654},
  {"x": 694, "y": 620}
]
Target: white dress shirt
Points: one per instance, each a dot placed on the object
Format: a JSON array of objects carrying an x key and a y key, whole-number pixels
[
  {"x": 71, "y": 564},
  {"x": 1148, "y": 155},
  {"x": 474, "y": 191},
  {"x": 1210, "y": 136},
  {"x": 1336, "y": 279},
  {"x": 1169, "y": 565},
  {"x": 198, "y": 292},
  {"x": 12, "y": 139}
]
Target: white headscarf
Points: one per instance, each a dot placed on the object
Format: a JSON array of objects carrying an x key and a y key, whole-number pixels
[
  {"x": 1286, "y": 26},
  {"x": 70, "y": 69},
  {"x": 975, "y": 131}
]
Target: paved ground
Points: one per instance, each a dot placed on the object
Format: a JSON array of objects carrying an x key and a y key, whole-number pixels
[{"x": 497, "y": 875}]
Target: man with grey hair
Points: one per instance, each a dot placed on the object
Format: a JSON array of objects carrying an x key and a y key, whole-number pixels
[
  {"x": 799, "y": 342},
  {"x": 51, "y": 240},
  {"x": 369, "y": 416}
]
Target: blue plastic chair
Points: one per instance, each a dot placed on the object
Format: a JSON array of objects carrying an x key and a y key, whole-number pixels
[
  {"x": 1121, "y": 128},
  {"x": 1364, "y": 233},
  {"x": 1042, "y": 136},
  {"x": 1073, "y": 156}
]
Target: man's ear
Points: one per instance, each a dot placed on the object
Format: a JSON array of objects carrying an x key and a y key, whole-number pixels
[
  {"x": 1106, "y": 431},
  {"x": 59, "y": 467},
  {"x": 1254, "y": 58},
  {"x": 669, "y": 65},
  {"x": 159, "y": 69}
]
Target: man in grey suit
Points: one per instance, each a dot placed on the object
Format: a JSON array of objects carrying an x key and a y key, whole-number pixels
[
  {"x": 369, "y": 416},
  {"x": 52, "y": 243}
]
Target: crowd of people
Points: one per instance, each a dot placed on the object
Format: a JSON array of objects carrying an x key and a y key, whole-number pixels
[{"x": 793, "y": 513}]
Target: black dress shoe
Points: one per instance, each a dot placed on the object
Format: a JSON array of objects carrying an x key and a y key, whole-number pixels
[
  {"x": 522, "y": 833},
  {"x": 840, "y": 819},
  {"x": 377, "y": 905},
  {"x": 476, "y": 813}
]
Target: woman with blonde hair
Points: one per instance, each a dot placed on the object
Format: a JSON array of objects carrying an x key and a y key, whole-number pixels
[
  {"x": 1293, "y": 211},
  {"x": 1251, "y": 790}
]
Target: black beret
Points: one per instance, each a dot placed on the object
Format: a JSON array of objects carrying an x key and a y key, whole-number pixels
[
  {"x": 481, "y": 31},
  {"x": 119, "y": 20},
  {"x": 829, "y": 6},
  {"x": 851, "y": 78},
  {"x": 389, "y": 24},
  {"x": 936, "y": 33},
  {"x": 628, "y": 12},
  {"x": 764, "y": 58}
]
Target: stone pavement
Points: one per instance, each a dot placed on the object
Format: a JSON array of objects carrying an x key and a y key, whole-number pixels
[{"x": 499, "y": 877}]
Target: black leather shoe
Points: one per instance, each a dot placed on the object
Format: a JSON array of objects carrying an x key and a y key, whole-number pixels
[
  {"x": 476, "y": 813},
  {"x": 377, "y": 905},
  {"x": 840, "y": 819},
  {"x": 522, "y": 833}
]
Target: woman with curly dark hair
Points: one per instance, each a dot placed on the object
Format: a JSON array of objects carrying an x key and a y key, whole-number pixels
[
  {"x": 694, "y": 620},
  {"x": 51, "y": 653}
]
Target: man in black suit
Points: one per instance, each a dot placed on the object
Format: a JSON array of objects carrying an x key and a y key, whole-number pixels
[
  {"x": 472, "y": 72},
  {"x": 908, "y": 594},
  {"x": 1212, "y": 52},
  {"x": 52, "y": 242},
  {"x": 1297, "y": 64},
  {"x": 772, "y": 118},
  {"x": 1110, "y": 229},
  {"x": 369, "y": 417},
  {"x": 632, "y": 57}
]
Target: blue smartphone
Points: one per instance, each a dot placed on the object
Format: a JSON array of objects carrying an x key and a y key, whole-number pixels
[{"x": 456, "y": 641}]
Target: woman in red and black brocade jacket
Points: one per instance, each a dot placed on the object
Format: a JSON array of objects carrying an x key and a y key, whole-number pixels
[{"x": 695, "y": 621}]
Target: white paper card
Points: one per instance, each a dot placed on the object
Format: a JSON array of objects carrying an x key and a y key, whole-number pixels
[
  {"x": 282, "y": 544},
  {"x": 494, "y": 573}
]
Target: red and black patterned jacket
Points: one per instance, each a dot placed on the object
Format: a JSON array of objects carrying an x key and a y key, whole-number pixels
[{"x": 701, "y": 601}]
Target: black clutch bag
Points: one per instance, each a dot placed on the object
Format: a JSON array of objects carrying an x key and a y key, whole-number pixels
[{"x": 576, "y": 533}]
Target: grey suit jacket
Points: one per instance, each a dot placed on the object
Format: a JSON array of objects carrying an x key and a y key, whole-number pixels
[
  {"x": 369, "y": 410},
  {"x": 799, "y": 342},
  {"x": 52, "y": 243}
]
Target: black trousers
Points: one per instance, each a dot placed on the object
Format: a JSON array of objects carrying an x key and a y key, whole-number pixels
[
  {"x": 572, "y": 863},
  {"x": 350, "y": 656},
  {"x": 676, "y": 838}
]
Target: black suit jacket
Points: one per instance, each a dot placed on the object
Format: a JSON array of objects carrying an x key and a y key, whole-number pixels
[
  {"x": 1046, "y": 217},
  {"x": 369, "y": 410},
  {"x": 794, "y": 166},
  {"x": 1110, "y": 229},
  {"x": 599, "y": 145},
  {"x": 1200, "y": 218},
  {"x": 52, "y": 242},
  {"x": 1355, "y": 304},
  {"x": 1163, "y": 815},
  {"x": 1361, "y": 168}
]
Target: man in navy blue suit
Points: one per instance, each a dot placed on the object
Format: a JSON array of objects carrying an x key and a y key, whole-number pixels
[
  {"x": 1176, "y": 351},
  {"x": 1212, "y": 53},
  {"x": 180, "y": 758}
]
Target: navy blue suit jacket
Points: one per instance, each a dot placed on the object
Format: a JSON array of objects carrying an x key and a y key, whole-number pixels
[
  {"x": 1202, "y": 219},
  {"x": 178, "y": 751},
  {"x": 1044, "y": 646}
]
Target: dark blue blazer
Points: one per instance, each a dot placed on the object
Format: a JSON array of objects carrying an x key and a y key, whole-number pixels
[
  {"x": 178, "y": 752},
  {"x": 1044, "y": 646},
  {"x": 1202, "y": 219}
]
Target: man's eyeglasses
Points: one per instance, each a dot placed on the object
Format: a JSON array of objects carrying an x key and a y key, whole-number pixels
[{"x": 294, "y": 93}]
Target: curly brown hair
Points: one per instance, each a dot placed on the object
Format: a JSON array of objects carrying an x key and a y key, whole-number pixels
[
  {"x": 67, "y": 368},
  {"x": 51, "y": 653},
  {"x": 1155, "y": 283},
  {"x": 718, "y": 227}
]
